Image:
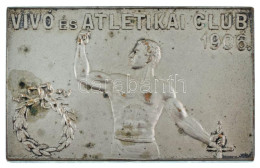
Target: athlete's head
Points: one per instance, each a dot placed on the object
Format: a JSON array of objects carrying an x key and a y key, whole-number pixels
[{"x": 145, "y": 52}]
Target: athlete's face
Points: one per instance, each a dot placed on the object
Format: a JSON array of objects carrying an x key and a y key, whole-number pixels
[{"x": 138, "y": 57}]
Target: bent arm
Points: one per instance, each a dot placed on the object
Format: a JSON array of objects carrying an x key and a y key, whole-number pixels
[
  {"x": 189, "y": 125},
  {"x": 95, "y": 79}
]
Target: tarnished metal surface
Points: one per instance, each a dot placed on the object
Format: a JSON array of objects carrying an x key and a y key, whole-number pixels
[{"x": 130, "y": 84}]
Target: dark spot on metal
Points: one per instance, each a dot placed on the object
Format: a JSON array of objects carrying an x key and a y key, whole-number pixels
[
  {"x": 90, "y": 145},
  {"x": 105, "y": 95},
  {"x": 85, "y": 156},
  {"x": 128, "y": 134},
  {"x": 22, "y": 85},
  {"x": 132, "y": 21},
  {"x": 33, "y": 110},
  {"x": 111, "y": 34},
  {"x": 179, "y": 110},
  {"x": 147, "y": 96},
  {"x": 181, "y": 131},
  {"x": 88, "y": 87},
  {"x": 23, "y": 49}
]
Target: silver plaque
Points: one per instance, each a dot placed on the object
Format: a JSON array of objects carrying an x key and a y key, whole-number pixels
[{"x": 130, "y": 83}]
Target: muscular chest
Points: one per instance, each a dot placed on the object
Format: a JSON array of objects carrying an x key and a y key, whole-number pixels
[{"x": 146, "y": 99}]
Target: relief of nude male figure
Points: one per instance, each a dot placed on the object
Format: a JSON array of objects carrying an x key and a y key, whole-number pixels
[{"x": 137, "y": 113}]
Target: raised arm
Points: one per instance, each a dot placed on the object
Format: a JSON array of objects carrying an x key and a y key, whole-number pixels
[
  {"x": 189, "y": 125},
  {"x": 95, "y": 79}
]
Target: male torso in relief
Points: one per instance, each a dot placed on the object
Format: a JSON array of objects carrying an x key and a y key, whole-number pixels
[{"x": 136, "y": 108}]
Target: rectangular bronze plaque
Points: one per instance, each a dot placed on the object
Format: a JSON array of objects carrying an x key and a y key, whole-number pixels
[{"x": 130, "y": 83}]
